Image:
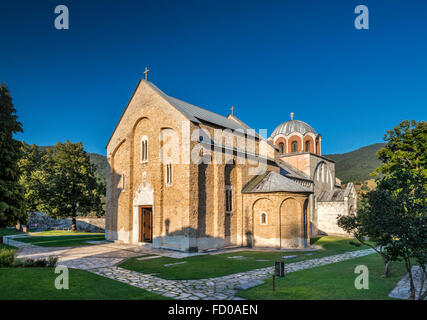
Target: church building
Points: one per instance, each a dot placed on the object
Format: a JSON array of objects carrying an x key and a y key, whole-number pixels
[{"x": 184, "y": 178}]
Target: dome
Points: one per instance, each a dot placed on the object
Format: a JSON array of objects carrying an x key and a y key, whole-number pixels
[{"x": 292, "y": 126}]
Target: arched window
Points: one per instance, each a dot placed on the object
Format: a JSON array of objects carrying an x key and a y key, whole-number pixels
[
  {"x": 307, "y": 146},
  {"x": 282, "y": 148},
  {"x": 263, "y": 218},
  {"x": 169, "y": 174},
  {"x": 294, "y": 146},
  {"x": 144, "y": 149}
]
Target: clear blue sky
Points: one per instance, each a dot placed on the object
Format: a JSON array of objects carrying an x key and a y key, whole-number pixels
[{"x": 267, "y": 58}]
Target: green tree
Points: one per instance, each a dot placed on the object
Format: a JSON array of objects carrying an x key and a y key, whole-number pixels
[
  {"x": 33, "y": 177},
  {"x": 395, "y": 214},
  {"x": 11, "y": 194},
  {"x": 71, "y": 186}
]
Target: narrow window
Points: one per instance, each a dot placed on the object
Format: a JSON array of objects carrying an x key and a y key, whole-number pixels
[
  {"x": 228, "y": 199},
  {"x": 307, "y": 146},
  {"x": 281, "y": 147},
  {"x": 144, "y": 149},
  {"x": 123, "y": 182},
  {"x": 294, "y": 146},
  {"x": 169, "y": 174},
  {"x": 263, "y": 218}
]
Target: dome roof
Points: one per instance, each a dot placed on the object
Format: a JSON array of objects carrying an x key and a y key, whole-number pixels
[{"x": 292, "y": 126}]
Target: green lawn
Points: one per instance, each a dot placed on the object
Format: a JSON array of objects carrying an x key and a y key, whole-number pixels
[
  {"x": 38, "y": 284},
  {"x": 63, "y": 238},
  {"x": 330, "y": 282},
  {"x": 50, "y": 233},
  {"x": 8, "y": 232},
  {"x": 207, "y": 266}
]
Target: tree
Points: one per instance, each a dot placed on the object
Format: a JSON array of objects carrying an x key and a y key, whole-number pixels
[
  {"x": 395, "y": 214},
  {"x": 33, "y": 177},
  {"x": 71, "y": 186},
  {"x": 11, "y": 194}
]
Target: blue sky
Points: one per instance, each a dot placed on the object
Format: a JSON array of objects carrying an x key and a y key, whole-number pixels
[{"x": 267, "y": 58}]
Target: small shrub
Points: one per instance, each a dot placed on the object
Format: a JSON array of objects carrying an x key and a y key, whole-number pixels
[
  {"x": 18, "y": 263},
  {"x": 52, "y": 261},
  {"x": 6, "y": 257},
  {"x": 35, "y": 263}
]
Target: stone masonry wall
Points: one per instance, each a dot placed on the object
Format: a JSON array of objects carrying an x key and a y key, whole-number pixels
[{"x": 40, "y": 221}]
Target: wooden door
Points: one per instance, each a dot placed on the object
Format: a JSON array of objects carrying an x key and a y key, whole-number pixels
[{"x": 146, "y": 224}]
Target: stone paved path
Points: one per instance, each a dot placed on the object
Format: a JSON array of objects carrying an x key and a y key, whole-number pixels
[
  {"x": 102, "y": 260},
  {"x": 87, "y": 257},
  {"x": 402, "y": 289},
  {"x": 220, "y": 288}
]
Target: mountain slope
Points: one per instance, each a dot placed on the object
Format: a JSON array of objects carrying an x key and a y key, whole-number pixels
[{"x": 356, "y": 165}]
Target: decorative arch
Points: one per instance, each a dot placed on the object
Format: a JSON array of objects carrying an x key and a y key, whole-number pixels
[
  {"x": 144, "y": 196},
  {"x": 291, "y": 230},
  {"x": 308, "y": 139},
  {"x": 295, "y": 139},
  {"x": 264, "y": 235}
]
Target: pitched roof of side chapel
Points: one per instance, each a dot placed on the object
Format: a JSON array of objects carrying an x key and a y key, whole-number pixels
[{"x": 271, "y": 181}]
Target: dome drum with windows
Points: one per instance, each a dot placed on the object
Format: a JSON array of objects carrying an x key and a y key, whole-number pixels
[{"x": 295, "y": 136}]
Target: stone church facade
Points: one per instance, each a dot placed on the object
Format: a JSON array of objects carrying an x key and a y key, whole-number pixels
[{"x": 174, "y": 184}]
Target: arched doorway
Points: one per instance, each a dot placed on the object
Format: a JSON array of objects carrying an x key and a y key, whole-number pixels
[
  {"x": 290, "y": 224},
  {"x": 143, "y": 214}
]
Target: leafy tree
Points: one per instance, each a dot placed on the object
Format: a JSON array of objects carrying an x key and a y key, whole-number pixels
[
  {"x": 395, "y": 214},
  {"x": 33, "y": 177},
  {"x": 11, "y": 194},
  {"x": 71, "y": 186}
]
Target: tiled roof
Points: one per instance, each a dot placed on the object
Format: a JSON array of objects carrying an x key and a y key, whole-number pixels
[
  {"x": 273, "y": 182},
  {"x": 331, "y": 196}
]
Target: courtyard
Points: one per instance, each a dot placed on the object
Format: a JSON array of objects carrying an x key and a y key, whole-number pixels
[{"x": 105, "y": 270}]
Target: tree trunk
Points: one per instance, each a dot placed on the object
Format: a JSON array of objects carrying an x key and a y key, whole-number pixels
[
  {"x": 411, "y": 279},
  {"x": 386, "y": 269},
  {"x": 73, "y": 224}
]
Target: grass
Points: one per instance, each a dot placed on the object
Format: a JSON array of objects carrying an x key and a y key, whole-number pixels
[
  {"x": 62, "y": 238},
  {"x": 8, "y": 232},
  {"x": 331, "y": 282},
  {"x": 208, "y": 266},
  {"x": 50, "y": 233},
  {"x": 38, "y": 283}
]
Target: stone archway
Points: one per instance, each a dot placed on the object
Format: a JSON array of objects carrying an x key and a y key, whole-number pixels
[{"x": 143, "y": 197}]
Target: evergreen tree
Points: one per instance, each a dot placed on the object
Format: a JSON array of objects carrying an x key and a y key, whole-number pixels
[{"x": 11, "y": 194}]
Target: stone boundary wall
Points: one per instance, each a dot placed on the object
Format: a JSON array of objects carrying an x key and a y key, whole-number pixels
[
  {"x": 327, "y": 214},
  {"x": 40, "y": 221}
]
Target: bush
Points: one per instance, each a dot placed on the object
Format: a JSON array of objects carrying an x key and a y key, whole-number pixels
[
  {"x": 35, "y": 263},
  {"x": 6, "y": 257}
]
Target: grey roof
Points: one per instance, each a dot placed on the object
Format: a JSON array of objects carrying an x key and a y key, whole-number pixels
[
  {"x": 348, "y": 190},
  {"x": 292, "y": 126},
  {"x": 271, "y": 181},
  {"x": 331, "y": 196},
  {"x": 292, "y": 172},
  {"x": 197, "y": 114}
]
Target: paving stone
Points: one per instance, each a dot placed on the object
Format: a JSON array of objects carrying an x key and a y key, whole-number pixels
[
  {"x": 221, "y": 288},
  {"x": 289, "y": 257}
]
